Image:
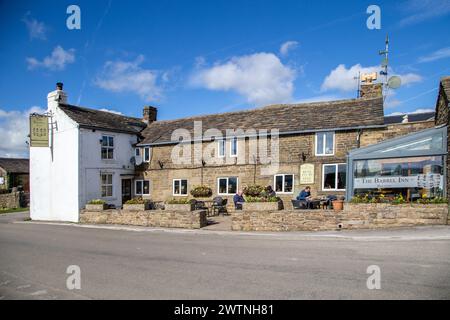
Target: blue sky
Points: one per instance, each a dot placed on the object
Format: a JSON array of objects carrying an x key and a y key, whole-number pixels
[{"x": 197, "y": 57}]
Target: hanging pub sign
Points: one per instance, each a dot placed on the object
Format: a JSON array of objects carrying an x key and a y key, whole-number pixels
[
  {"x": 307, "y": 173},
  {"x": 418, "y": 181},
  {"x": 39, "y": 131}
]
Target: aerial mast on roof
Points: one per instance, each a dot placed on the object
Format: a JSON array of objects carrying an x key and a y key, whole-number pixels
[{"x": 393, "y": 82}]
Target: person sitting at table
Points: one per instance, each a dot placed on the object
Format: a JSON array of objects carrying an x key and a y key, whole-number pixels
[
  {"x": 238, "y": 200},
  {"x": 270, "y": 192},
  {"x": 305, "y": 194}
]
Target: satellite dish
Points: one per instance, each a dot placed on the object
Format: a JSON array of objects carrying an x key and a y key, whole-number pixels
[
  {"x": 394, "y": 82},
  {"x": 138, "y": 160}
]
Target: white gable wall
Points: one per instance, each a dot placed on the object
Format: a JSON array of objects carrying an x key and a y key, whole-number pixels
[{"x": 54, "y": 178}]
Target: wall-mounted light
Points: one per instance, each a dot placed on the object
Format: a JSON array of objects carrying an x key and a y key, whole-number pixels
[
  {"x": 304, "y": 156},
  {"x": 161, "y": 164}
]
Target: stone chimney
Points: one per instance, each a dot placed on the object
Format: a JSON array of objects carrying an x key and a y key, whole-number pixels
[
  {"x": 149, "y": 114},
  {"x": 371, "y": 90},
  {"x": 56, "y": 97}
]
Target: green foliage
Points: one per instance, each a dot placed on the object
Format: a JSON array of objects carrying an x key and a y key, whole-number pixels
[
  {"x": 137, "y": 200},
  {"x": 253, "y": 190},
  {"x": 97, "y": 201},
  {"x": 398, "y": 199},
  {"x": 437, "y": 200},
  {"x": 201, "y": 192},
  {"x": 251, "y": 199},
  {"x": 179, "y": 201}
]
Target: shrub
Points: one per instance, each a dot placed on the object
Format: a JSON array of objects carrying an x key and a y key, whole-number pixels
[
  {"x": 251, "y": 199},
  {"x": 253, "y": 190},
  {"x": 180, "y": 201},
  {"x": 201, "y": 192},
  {"x": 97, "y": 201},
  {"x": 437, "y": 200},
  {"x": 137, "y": 200}
]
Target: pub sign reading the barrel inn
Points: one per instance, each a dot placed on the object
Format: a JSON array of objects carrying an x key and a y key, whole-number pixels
[{"x": 38, "y": 131}]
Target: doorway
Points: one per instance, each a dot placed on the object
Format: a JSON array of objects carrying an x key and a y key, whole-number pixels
[{"x": 126, "y": 190}]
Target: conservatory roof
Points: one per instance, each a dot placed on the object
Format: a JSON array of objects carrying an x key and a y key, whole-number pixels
[{"x": 430, "y": 142}]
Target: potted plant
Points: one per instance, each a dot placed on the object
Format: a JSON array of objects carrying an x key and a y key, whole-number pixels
[
  {"x": 201, "y": 192},
  {"x": 137, "y": 204},
  {"x": 96, "y": 205},
  {"x": 338, "y": 204},
  {"x": 180, "y": 205},
  {"x": 262, "y": 204},
  {"x": 253, "y": 190}
]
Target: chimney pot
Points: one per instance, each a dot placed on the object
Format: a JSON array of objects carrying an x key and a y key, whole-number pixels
[
  {"x": 149, "y": 114},
  {"x": 59, "y": 86}
]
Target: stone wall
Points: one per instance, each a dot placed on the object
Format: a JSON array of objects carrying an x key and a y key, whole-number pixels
[
  {"x": 291, "y": 149},
  {"x": 443, "y": 118},
  {"x": 354, "y": 216},
  {"x": 11, "y": 200},
  {"x": 148, "y": 218}
]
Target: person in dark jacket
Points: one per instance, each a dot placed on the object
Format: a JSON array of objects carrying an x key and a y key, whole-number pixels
[
  {"x": 305, "y": 194},
  {"x": 238, "y": 200},
  {"x": 270, "y": 192}
]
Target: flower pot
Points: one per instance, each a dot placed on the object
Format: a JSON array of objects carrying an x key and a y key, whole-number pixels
[
  {"x": 179, "y": 207},
  {"x": 338, "y": 205},
  {"x": 261, "y": 206},
  {"x": 136, "y": 207},
  {"x": 96, "y": 207}
]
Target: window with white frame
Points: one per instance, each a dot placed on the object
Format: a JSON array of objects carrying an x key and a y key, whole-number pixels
[
  {"x": 325, "y": 143},
  {"x": 106, "y": 184},
  {"x": 137, "y": 152},
  {"x": 107, "y": 152},
  {"x": 284, "y": 183},
  {"x": 147, "y": 151},
  {"x": 221, "y": 147},
  {"x": 234, "y": 147},
  {"x": 141, "y": 187},
  {"x": 227, "y": 186},
  {"x": 334, "y": 177},
  {"x": 180, "y": 187}
]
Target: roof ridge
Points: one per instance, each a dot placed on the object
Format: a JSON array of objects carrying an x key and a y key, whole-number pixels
[
  {"x": 268, "y": 107},
  {"x": 102, "y": 111}
]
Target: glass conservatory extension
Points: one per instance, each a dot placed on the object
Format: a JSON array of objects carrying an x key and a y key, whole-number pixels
[{"x": 412, "y": 166}]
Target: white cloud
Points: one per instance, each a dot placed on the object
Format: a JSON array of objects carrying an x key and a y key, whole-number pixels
[
  {"x": 129, "y": 76},
  {"x": 409, "y": 78},
  {"x": 287, "y": 46},
  {"x": 14, "y": 130},
  {"x": 422, "y": 110},
  {"x": 423, "y": 10},
  {"x": 436, "y": 55},
  {"x": 57, "y": 60},
  {"x": 111, "y": 111},
  {"x": 36, "y": 29},
  {"x": 261, "y": 78},
  {"x": 344, "y": 79}
]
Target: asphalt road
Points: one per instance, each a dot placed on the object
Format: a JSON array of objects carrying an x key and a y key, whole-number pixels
[{"x": 118, "y": 264}]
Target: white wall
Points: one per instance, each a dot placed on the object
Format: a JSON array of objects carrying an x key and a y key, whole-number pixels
[
  {"x": 91, "y": 164},
  {"x": 61, "y": 184},
  {"x": 54, "y": 177}
]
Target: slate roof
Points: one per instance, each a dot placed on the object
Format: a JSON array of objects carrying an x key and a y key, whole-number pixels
[
  {"x": 288, "y": 118},
  {"x": 12, "y": 165},
  {"x": 96, "y": 119},
  {"x": 412, "y": 117}
]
